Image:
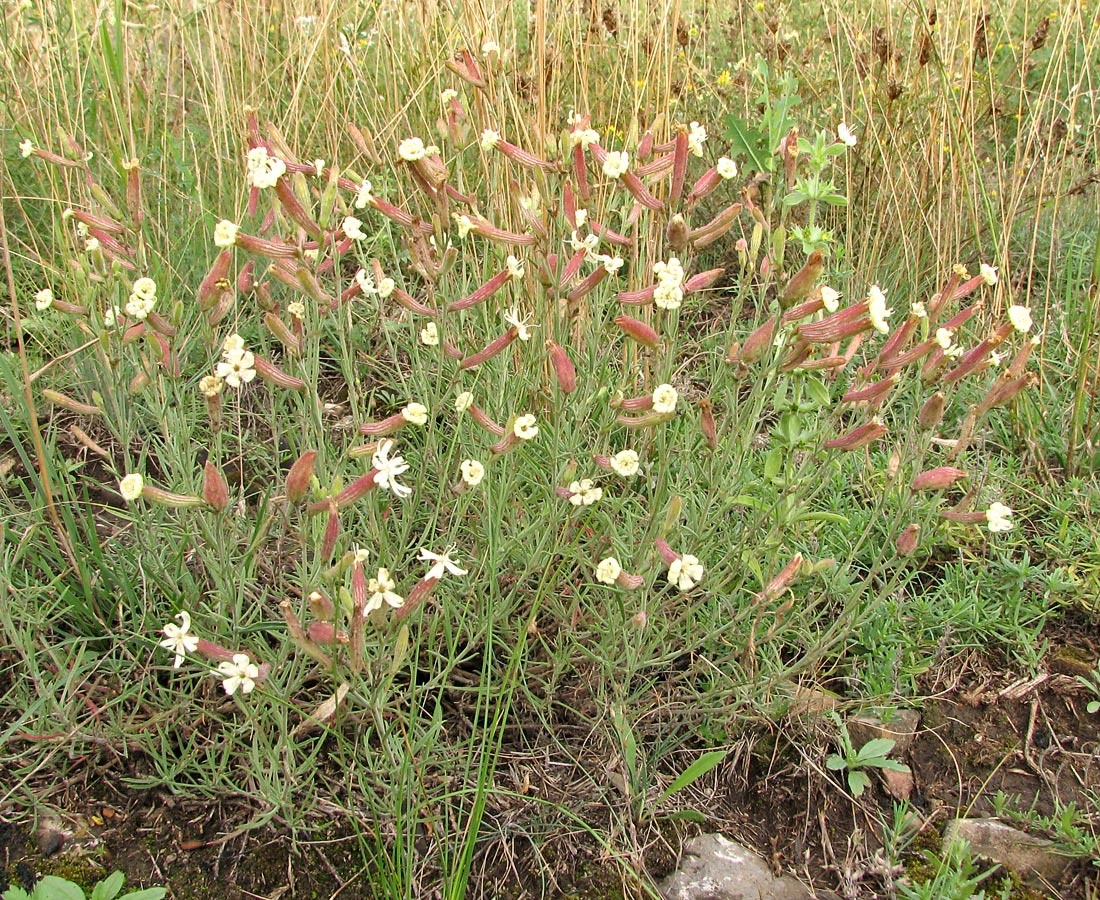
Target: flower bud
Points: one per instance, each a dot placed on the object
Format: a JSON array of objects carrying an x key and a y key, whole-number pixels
[
  {"x": 638, "y": 330},
  {"x": 563, "y": 368},
  {"x": 908, "y": 541},
  {"x": 299, "y": 476},
  {"x": 215, "y": 491},
  {"x": 937, "y": 479}
]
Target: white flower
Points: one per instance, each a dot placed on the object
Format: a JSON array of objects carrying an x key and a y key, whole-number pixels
[
  {"x": 919, "y": 310},
  {"x": 608, "y": 570},
  {"x": 381, "y": 589},
  {"x": 625, "y": 463},
  {"x": 178, "y": 638},
  {"x": 387, "y": 470},
  {"x": 580, "y": 217},
  {"x": 305, "y": 23},
  {"x": 225, "y": 233},
  {"x": 1020, "y": 317},
  {"x": 232, "y": 342},
  {"x": 472, "y": 472},
  {"x": 131, "y": 486},
  {"x": 145, "y": 287},
  {"x": 319, "y": 167},
  {"x": 26, "y": 148},
  {"x": 385, "y": 287},
  {"x": 240, "y": 674},
  {"x": 447, "y": 95},
  {"x": 584, "y": 492},
  {"x": 210, "y": 385},
  {"x": 263, "y": 170},
  {"x": 988, "y": 274},
  {"x": 353, "y": 228},
  {"x": 515, "y": 267},
  {"x": 876, "y": 308},
  {"x": 584, "y": 137},
  {"x": 364, "y": 195},
  {"x": 685, "y": 572},
  {"x": 359, "y": 554},
  {"x": 412, "y": 149},
  {"x": 616, "y": 163},
  {"x": 465, "y": 225},
  {"x": 845, "y": 134},
  {"x": 830, "y": 298},
  {"x": 43, "y": 300},
  {"x": 441, "y": 563},
  {"x": 429, "y": 335},
  {"x": 697, "y": 136},
  {"x": 671, "y": 272},
  {"x": 238, "y": 367},
  {"x": 91, "y": 245},
  {"x": 490, "y": 48},
  {"x": 726, "y": 168},
  {"x": 588, "y": 244},
  {"x": 611, "y": 263},
  {"x": 138, "y": 307},
  {"x": 297, "y": 309},
  {"x": 522, "y": 326},
  {"x": 944, "y": 337},
  {"x": 525, "y": 428},
  {"x": 954, "y": 351},
  {"x": 997, "y": 358},
  {"x": 664, "y": 399},
  {"x": 489, "y": 139},
  {"x": 111, "y": 317},
  {"x": 999, "y": 517},
  {"x": 668, "y": 297},
  {"x": 464, "y": 401},
  {"x": 415, "y": 414}
]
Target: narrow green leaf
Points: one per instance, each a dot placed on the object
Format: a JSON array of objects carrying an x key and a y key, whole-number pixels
[{"x": 692, "y": 773}]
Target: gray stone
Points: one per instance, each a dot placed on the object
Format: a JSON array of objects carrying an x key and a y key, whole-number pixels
[
  {"x": 1025, "y": 854},
  {"x": 901, "y": 729},
  {"x": 716, "y": 868}
]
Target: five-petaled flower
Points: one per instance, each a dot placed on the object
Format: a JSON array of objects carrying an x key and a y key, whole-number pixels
[
  {"x": 584, "y": 492},
  {"x": 1020, "y": 317},
  {"x": 608, "y": 570},
  {"x": 472, "y": 472},
  {"x": 387, "y": 469},
  {"x": 415, "y": 414},
  {"x": 999, "y": 517},
  {"x": 43, "y": 300},
  {"x": 131, "y": 486},
  {"x": 441, "y": 563},
  {"x": 525, "y": 428},
  {"x": 845, "y": 134},
  {"x": 685, "y": 572},
  {"x": 240, "y": 674},
  {"x": 178, "y": 638},
  {"x": 382, "y": 591},
  {"x": 876, "y": 309},
  {"x": 225, "y": 233},
  {"x": 625, "y": 463},
  {"x": 616, "y": 164},
  {"x": 664, "y": 399},
  {"x": 523, "y": 326}
]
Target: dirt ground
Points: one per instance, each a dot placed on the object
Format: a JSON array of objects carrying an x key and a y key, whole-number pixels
[{"x": 990, "y": 731}]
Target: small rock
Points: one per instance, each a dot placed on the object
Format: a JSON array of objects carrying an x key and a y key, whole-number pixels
[
  {"x": 1025, "y": 854},
  {"x": 811, "y": 701},
  {"x": 899, "y": 785},
  {"x": 50, "y": 836},
  {"x": 901, "y": 729},
  {"x": 716, "y": 868}
]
